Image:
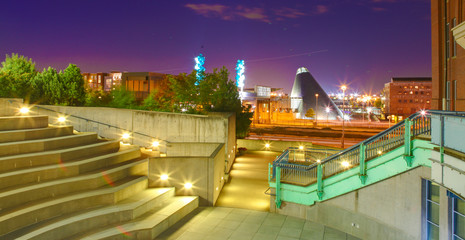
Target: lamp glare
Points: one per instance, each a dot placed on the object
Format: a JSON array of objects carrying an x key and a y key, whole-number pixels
[
  {"x": 24, "y": 110},
  {"x": 164, "y": 177},
  {"x": 61, "y": 119},
  {"x": 155, "y": 144},
  {"x": 125, "y": 136},
  {"x": 345, "y": 164},
  {"x": 188, "y": 185}
]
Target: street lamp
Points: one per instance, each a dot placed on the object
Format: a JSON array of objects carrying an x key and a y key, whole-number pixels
[
  {"x": 328, "y": 109},
  {"x": 316, "y": 112},
  {"x": 343, "y": 88}
]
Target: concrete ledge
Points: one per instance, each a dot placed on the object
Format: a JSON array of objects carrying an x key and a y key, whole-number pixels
[
  {"x": 23, "y": 122},
  {"x": 56, "y": 188},
  {"x": 62, "y": 170},
  {"x": 151, "y": 226},
  {"x": 9, "y": 163},
  {"x": 275, "y": 146},
  {"x": 35, "y": 133},
  {"x": 36, "y": 213},
  {"x": 126, "y": 210},
  {"x": 12, "y": 148}
]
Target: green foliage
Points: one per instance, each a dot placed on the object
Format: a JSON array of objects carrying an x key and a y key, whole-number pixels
[
  {"x": 73, "y": 85},
  {"x": 17, "y": 72},
  {"x": 185, "y": 92},
  {"x": 161, "y": 98},
  {"x": 122, "y": 98},
  {"x": 48, "y": 88},
  {"x": 310, "y": 113},
  {"x": 98, "y": 98}
]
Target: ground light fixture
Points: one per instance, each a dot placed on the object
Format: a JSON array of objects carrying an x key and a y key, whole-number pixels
[
  {"x": 24, "y": 110},
  {"x": 318, "y": 161},
  {"x": 164, "y": 177},
  {"x": 188, "y": 185},
  {"x": 155, "y": 144},
  {"x": 62, "y": 119},
  {"x": 267, "y": 145},
  {"x": 380, "y": 152},
  {"x": 301, "y": 147},
  {"x": 423, "y": 112},
  {"x": 125, "y": 136}
]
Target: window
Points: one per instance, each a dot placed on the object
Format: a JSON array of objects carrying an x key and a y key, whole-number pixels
[
  {"x": 447, "y": 95},
  {"x": 455, "y": 94},
  {"x": 432, "y": 210},
  {"x": 416, "y": 87},
  {"x": 400, "y": 100},
  {"x": 458, "y": 217},
  {"x": 454, "y": 47},
  {"x": 447, "y": 40},
  {"x": 411, "y": 101},
  {"x": 405, "y": 100}
]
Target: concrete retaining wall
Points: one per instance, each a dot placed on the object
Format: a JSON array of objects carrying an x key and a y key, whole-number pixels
[
  {"x": 10, "y": 106},
  {"x": 390, "y": 209},
  {"x": 162, "y": 126},
  {"x": 275, "y": 146},
  {"x": 205, "y": 174}
]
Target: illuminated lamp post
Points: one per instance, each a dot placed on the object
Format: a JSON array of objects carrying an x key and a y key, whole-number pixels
[
  {"x": 199, "y": 62},
  {"x": 316, "y": 112},
  {"x": 240, "y": 78},
  {"x": 343, "y": 88},
  {"x": 328, "y": 110}
]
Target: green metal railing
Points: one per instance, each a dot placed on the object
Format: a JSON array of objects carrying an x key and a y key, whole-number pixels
[{"x": 355, "y": 156}]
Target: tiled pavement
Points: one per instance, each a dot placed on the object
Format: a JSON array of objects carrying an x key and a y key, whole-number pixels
[{"x": 242, "y": 224}]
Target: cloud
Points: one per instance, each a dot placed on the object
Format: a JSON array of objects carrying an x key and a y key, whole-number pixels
[
  {"x": 320, "y": 9},
  {"x": 230, "y": 13},
  {"x": 227, "y": 13},
  {"x": 252, "y": 13},
  {"x": 378, "y": 9},
  {"x": 289, "y": 13}
]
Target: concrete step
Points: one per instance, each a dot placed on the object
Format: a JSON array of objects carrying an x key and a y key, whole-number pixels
[
  {"x": 39, "y": 145},
  {"x": 28, "y": 215},
  {"x": 35, "y": 133},
  {"x": 12, "y": 179},
  {"x": 53, "y": 189},
  {"x": 15, "y": 162},
  {"x": 125, "y": 211},
  {"x": 23, "y": 122},
  {"x": 150, "y": 225}
]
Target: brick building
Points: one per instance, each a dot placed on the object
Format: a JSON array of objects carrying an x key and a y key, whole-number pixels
[
  {"x": 448, "y": 56},
  {"x": 95, "y": 81},
  {"x": 141, "y": 83},
  {"x": 405, "y": 96}
]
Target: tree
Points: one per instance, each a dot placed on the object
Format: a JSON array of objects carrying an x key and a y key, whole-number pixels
[
  {"x": 47, "y": 87},
  {"x": 122, "y": 98},
  {"x": 185, "y": 92},
  {"x": 73, "y": 83},
  {"x": 17, "y": 72},
  {"x": 161, "y": 98},
  {"x": 98, "y": 98},
  {"x": 310, "y": 113}
]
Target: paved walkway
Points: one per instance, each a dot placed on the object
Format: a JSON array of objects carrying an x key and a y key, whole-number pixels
[
  {"x": 248, "y": 182},
  {"x": 242, "y": 224}
]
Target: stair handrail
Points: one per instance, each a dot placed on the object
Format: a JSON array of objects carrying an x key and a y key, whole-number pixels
[{"x": 101, "y": 123}]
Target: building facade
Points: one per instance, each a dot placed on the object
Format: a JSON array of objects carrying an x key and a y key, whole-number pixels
[
  {"x": 448, "y": 57},
  {"x": 141, "y": 83},
  {"x": 95, "y": 81},
  {"x": 406, "y": 96}
]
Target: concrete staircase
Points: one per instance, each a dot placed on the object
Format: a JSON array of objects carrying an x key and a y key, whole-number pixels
[{"x": 56, "y": 184}]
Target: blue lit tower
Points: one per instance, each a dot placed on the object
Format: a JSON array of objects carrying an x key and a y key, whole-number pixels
[
  {"x": 240, "y": 78},
  {"x": 199, "y": 62}
]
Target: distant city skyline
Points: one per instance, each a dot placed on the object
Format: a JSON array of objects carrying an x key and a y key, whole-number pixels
[{"x": 360, "y": 43}]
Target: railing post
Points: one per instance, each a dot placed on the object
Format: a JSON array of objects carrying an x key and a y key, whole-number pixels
[
  {"x": 278, "y": 187},
  {"x": 408, "y": 142},
  {"x": 319, "y": 175},
  {"x": 269, "y": 171},
  {"x": 363, "y": 167}
]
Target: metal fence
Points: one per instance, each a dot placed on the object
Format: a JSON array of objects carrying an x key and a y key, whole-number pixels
[{"x": 305, "y": 172}]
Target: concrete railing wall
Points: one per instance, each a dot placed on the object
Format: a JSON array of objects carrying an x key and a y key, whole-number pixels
[
  {"x": 10, "y": 106},
  {"x": 190, "y": 149},
  {"x": 205, "y": 174},
  {"x": 162, "y": 126},
  {"x": 276, "y": 146}
]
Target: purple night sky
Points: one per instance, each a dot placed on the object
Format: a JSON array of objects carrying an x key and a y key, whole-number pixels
[{"x": 362, "y": 43}]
